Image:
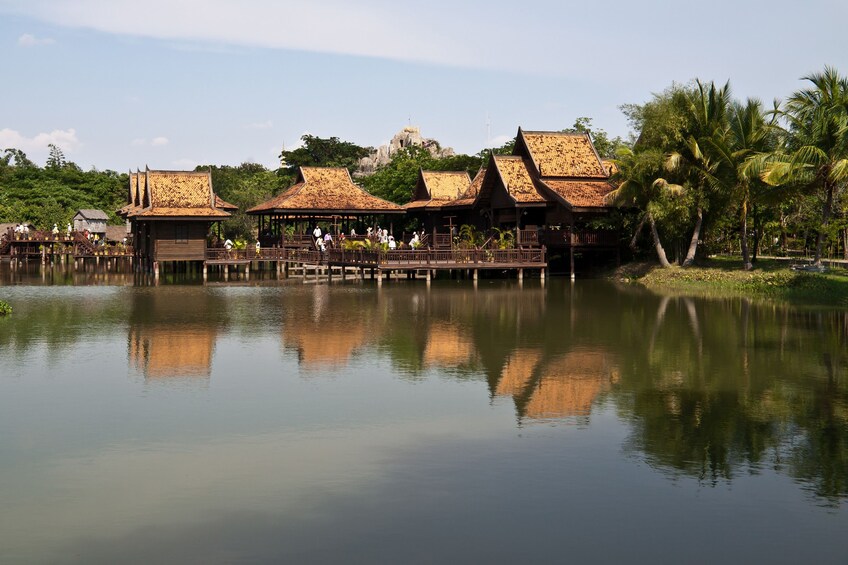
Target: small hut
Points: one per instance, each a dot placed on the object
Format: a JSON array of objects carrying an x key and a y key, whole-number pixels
[
  {"x": 319, "y": 194},
  {"x": 93, "y": 221}
]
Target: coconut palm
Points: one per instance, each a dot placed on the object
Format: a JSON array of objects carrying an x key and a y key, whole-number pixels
[
  {"x": 739, "y": 150},
  {"x": 816, "y": 154},
  {"x": 639, "y": 186},
  {"x": 696, "y": 167}
]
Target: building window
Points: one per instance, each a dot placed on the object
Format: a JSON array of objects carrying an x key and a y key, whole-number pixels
[{"x": 181, "y": 233}]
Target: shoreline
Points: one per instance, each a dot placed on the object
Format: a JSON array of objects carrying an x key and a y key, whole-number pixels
[{"x": 771, "y": 279}]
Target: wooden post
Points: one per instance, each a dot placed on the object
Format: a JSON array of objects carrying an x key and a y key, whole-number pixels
[
  {"x": 156, "y": 270},
  {"x": 520, "y": 275},
  {"x": 571, "y": 250},
  {"x": 475, "y": 275}
]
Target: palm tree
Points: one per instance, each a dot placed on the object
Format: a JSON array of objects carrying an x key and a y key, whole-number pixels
[
  {"x": 749, "y": 136},
  {"x": 816, "y": 154},
  {"x": 697, "y": 168},
  {"x": 640, "y": 186}
]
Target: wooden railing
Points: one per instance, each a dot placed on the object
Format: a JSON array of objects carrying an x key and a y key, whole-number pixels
[{"x": 394, "y": 258}]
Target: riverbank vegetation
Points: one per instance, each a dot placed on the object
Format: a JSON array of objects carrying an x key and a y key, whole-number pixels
[
  {"x": 5, "y": 308},
  {"x": 723, "y": 276}
]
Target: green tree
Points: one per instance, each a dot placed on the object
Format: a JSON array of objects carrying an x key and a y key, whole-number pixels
[
  {"x": 604, "y": 145},
  {"x": 640, "y": 186},
  {"x": 815, "y": 157},
  {"x": 321, "y": 152}
]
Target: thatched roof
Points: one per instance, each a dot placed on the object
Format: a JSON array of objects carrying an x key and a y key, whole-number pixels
[
  {"x": 176, "y": 194},
  {"x": 580, "y": 194},
  {"x": 325, "y": 190},
  {"x": 437, "y": 188},
  {"x": 561, "y": 154},
  {"x": 468, "y": 197}
]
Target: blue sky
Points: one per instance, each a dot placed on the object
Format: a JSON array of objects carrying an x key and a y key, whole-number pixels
[{"x": 122, "y": 84}]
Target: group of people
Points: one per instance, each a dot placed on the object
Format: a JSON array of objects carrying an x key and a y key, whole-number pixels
[{"x": 22, "y": 230}]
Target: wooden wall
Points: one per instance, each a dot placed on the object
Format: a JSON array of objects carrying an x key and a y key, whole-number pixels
[{"x": 191, "y": 245}]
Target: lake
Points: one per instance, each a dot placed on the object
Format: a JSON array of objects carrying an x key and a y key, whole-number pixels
[{"x": 321, "y": 423}]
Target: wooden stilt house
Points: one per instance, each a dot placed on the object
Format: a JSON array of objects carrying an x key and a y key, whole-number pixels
[{"x": 171, "y": 213}]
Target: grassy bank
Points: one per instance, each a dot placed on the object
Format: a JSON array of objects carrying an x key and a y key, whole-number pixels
[{"x": 770, "y": 279}]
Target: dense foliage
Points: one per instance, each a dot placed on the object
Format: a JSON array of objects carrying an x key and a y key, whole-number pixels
[
  {"x": 52, "y": 194},
  {"x": 709, "y": 173}
]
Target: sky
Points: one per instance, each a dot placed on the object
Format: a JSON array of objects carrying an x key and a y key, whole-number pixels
[{"x": 171, "y": 84}]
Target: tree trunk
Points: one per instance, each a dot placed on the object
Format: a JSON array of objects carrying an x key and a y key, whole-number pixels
[
  {"x": 638, "y": 231},
  {"x": 828, "y": 207},
  {"x": 693, "y": 243},
  {"x": 757, "y": 236},
  {"x": 657, "y": 244},
  {"x": 845, "y": 245},
  {"x": 746, "y": 258}
]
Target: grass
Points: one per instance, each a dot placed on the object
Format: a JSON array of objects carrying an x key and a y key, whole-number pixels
[{"x": 770, "y": 279}]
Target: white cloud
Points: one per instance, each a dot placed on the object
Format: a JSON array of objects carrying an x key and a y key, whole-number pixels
[
  {"x": 29, "y": 40},
  {"x": 155, "y": 142},
  {"x": 64, "y": 139}
]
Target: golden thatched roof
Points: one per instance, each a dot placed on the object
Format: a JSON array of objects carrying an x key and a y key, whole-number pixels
[
  {"x": 437, "y": 188},
  {"x": 173, "y": 194},
  {"x": 609, "y": 166},
  {"x": 580, "y": 194},
  {"x": 325, "y": 190},
  {"x": 560, "y": 154},
  {"x": 516, "y": 175},
  {"x": 468, "y": 197}
]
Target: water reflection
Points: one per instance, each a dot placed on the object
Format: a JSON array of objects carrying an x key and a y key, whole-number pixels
[{"x": 710, "y": 389}]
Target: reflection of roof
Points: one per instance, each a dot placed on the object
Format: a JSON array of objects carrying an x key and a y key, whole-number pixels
[
  {"x": 325, "y": 189},
  {"x": 516, "y": 176},
  {"x": 447, "y": 346},
  {"x": 562, "y": 387},
  {"x": 517, "y": 372},
  {"x": 178, "y": 194},
  {"x": 163, "y": 352},
  {"x": 468, "y": 197},
  {"x": 324, "y": 345},
  {"x": 581, "y": 194},
  {"x": 560, "y": 154}
]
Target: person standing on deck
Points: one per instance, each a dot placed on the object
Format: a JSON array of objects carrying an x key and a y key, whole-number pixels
[{"x": 316, "y": 233}]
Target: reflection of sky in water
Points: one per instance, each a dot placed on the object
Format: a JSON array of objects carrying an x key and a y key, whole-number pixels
[{"x": 345, "y": 423}]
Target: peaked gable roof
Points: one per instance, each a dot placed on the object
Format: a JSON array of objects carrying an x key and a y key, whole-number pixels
[
  {"x": 325, "y": 190},
  {"x": 92, "y": 214},
  {"x": 516, "y": 173},
  {"x": 438, "y": 188},
  {"x": 469, "y": 197},
  {"x": 560, "y": 154},
  {"x": 171, "y": 194}
]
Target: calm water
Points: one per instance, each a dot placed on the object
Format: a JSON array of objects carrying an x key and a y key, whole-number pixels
[{"x": 291, "y": 422}]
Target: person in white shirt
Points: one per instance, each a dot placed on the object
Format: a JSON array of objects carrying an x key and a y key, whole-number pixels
[
  {"x": 392, "y": 244},
  {"x": 228, "y": 244}
]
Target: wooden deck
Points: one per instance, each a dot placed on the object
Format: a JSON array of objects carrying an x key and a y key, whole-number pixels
[
  {"x": 44, "y": 244},
  {"x": 404, "y": 259}
]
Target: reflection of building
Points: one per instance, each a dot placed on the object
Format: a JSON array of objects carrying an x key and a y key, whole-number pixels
[
  {"x": 562, "y": 387},
  {"x": 320, "y": 345},
  {"x": 173, "y": 334},
  {"x": 448, "y": 346},
  {"x": 172, "y": 351}
]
